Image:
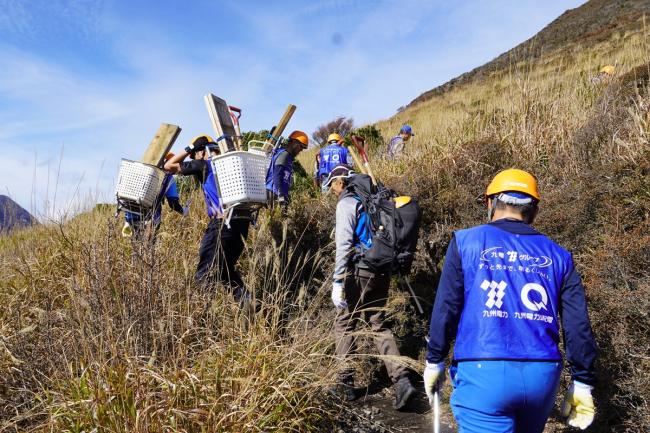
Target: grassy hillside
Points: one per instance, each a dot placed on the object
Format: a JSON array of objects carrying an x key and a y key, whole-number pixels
[
  {"x": 587, "y": 140},
  {"x": 97, "y": 334},
  {"x": 577, "y": 29}
]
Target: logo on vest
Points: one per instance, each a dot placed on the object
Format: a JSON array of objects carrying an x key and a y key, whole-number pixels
[
  {"x": 496, "y": 293},
  {"x": 498, "y": 254},
  {"x": 534, "y": 305}
]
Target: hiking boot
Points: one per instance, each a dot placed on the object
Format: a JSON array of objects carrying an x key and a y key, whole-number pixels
[
  {"x": 345, "y": 390},
  {"x": 403, "y": 392}
]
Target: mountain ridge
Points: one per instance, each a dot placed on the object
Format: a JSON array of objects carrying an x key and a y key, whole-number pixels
[{"x": 584, "y": 26}]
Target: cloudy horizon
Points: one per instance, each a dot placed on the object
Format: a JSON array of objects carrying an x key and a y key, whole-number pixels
[{"x": 84, "y": 83}]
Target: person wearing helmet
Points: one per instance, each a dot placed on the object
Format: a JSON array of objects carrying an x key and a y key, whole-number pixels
[
  {"x": 608, "y": 70},
  {"x": 503, "y": 289},
  {"x": 222, "y": 243},
  {"x": 142, "y": 226},
  {"x": 359, "y": 294},
  {"x": 280, "y": 172},
  {"x": 398, "y": 143},
  {"x": 330, "y": 156}
]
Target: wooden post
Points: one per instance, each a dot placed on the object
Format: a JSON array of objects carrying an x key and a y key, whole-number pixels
[
  {"x": 221, "y": 122},
  {"x": 161, "y": 144},
  {"x": 279, "y": 128}
]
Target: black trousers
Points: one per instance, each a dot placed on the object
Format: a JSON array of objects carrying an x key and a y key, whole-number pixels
[{"x": 220, "y": 249}]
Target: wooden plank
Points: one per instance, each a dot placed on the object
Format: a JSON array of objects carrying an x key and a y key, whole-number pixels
[
  {"x": 221, "y": 122},
  {"x": 161, "y": 144},
  {"x": 279, "y": 129}
]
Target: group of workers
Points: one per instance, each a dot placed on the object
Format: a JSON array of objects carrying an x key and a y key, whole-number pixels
[{"x": 503, "y": 291}]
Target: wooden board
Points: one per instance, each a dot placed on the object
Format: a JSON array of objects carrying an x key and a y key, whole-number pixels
[
  {"x": 279, "y": 128},
  {"x": 221, "y": 122},
  {"x": 161, "y": 144}
]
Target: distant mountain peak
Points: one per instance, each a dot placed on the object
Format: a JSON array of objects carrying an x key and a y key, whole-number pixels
[{"x": 13, "y": 216}]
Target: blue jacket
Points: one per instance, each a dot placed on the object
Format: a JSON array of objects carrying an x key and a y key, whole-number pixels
[
  {"x": 502, "y": 290},
  {"x": 279, "y": 174},
  {"x": 330, "y": 157},
  {"x": 167, "y": 191},
  {"x": 201, "y": 170}
]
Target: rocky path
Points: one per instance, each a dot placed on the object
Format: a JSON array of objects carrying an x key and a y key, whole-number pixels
[{"x": 373, "y": 413}]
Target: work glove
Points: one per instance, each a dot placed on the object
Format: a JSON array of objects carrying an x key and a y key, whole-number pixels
[
  {"x": 186, "y": 211},
  {"x": 338, "y": 296},
  {"x": 434, "y": 377},
  {"x": 579, "y": 405},
  {"x": 127, "y": 230},
  {"x": 192, "y": 148}
]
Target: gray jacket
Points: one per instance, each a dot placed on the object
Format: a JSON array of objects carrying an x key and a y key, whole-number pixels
[{"x": 346, "y": 222}]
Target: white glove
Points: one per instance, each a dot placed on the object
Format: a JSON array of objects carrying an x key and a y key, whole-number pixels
[
  {"x": 127, "y": 230},
  {"x": 434, "y": 377},
  {"x": 338, "y": 296},
  {"x": 579, "y": 405},
  {"x": 186, "y": 211}
]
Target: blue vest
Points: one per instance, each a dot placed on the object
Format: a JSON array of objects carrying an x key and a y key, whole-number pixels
[
  {"x": 280, "y": 173},
  {"x": 512, "y": 293},
  {"x": 211, "y": 194},
  {"x": 330, "y": 157}
]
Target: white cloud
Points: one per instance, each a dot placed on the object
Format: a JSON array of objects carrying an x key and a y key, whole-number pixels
[{"x": 386, "y": 54}]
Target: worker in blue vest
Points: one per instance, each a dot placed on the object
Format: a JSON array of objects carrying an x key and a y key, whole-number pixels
[
  {"x": 141, "y": 226},
  {"x": 503, "y": 290},
  {"x": 222, "y": 242},
  {"x": 279, "y": 175},
  {"x": 332, "y": 155}
]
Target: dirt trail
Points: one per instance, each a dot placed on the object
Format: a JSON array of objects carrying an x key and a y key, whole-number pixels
[{"x": 376, "y": 411}]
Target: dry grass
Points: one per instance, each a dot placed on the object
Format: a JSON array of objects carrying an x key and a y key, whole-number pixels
[
  {"x": 98, "y": 337},
  {"x": 588, "y": 144}
]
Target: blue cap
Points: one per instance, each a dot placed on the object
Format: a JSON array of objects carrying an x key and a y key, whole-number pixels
[{"x": 406, "y": 129}]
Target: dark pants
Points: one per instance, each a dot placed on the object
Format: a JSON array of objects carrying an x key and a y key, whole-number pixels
[
  {"x": 366, "y": 295},
  {"x": 220, "y": 249}
]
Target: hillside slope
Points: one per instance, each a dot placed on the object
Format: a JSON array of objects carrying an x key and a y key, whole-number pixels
[
  {"x": 576, "y": 29},
  {"x": 98, "y": 333}
]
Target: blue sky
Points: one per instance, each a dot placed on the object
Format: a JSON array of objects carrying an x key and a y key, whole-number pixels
[{"x": 84, "y": 83}]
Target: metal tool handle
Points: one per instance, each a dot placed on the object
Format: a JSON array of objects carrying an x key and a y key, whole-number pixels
[{"x": 436, "y": 412}]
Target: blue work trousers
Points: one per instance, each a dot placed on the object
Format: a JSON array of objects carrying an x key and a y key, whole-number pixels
[{"x": 504, "y": 396}]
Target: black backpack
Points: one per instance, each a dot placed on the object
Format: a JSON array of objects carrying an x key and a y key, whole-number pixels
[{"x": 395, "y": 229}]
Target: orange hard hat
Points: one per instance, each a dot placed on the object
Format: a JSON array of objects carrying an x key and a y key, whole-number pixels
[
  {"x": 513, "y": 179},
  {"x": 301, "y": 137}
]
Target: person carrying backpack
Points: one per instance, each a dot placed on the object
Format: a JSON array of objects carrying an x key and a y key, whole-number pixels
[
  {"x": 136, "y": 225},
  {"x": 332, "y": 155},
  {"x": 504, "y": 289},
  {"x": 360, "y": 293},
  {"x": 222, "y": 242}
]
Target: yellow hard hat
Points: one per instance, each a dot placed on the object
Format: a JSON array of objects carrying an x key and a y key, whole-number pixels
[
  {"x": 301, "y": 137},
  {"x": 608, "y": 69},
  {"x": 202, "y": 139},
  {"x": 334, "y": 137},
  {"x": 513, "y": 180}
]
